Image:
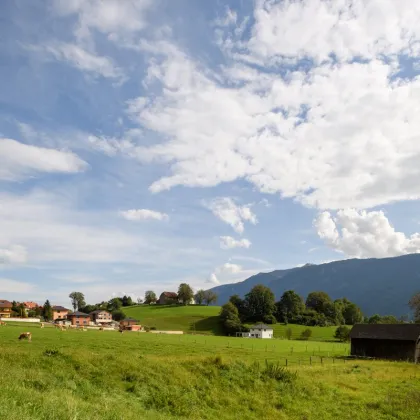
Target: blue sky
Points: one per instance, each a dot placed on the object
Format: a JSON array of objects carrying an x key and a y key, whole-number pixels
[{"x": 148, "y": 143}]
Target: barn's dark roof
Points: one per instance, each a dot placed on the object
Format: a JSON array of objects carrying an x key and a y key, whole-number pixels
[
  {"x": 171, "y": 295},
  {"x": 262, "y": 326},
  {"x": 98, "y": 311},
  {"x": 59, "y": 308},
  {"x": 79, "y": 314},
  {"x": 5, "y": 304},
  {"x": 409, "y": 332},
  {"x": 130, "y": 319}
]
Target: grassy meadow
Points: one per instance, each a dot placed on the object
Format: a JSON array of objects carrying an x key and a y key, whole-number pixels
[
  {"x": 205, "y": 320},
  {"x": 107, "y": 375}
]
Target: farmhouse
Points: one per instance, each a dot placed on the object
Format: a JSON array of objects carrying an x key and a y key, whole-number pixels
[
  {"x": 167, "y": 298},
  {"x": 78, "y": 318},
  {"x": 101, "y": 317},
  {"x": 257, "y": 331},
  {"x": 130, "y": 324},
  {"x": 59, "y": 312},
  {"x": 386, "y": 341},
  {"x": 5, "y": 309}
]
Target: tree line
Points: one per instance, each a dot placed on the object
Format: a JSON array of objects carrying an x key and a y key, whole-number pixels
[
  {"x": 318, "y": 309},
  {"x": 184, "y": 296}
]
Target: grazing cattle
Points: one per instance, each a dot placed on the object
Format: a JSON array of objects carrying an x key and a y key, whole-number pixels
[
  {"x": 42, "y": 325},
  {"x": 121, "y": 330},
  {"x": 101, "y": 329},
  {"x": 26, "y": 335},
  {"x": 2, "y": 324}
]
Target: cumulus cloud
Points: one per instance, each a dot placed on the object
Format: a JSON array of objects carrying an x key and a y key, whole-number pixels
[
  {"x": 229, "y": 212},
  {"x": 16, "y": 254},
  {"x": 364, "y": 234},
  {"x": 18, "y": 160},
  {"x": 324, "y": 118},
  {"x": 225, "y": 271},
  {"x": 227, "y": 242},
  {"x": 143, "y": 214}
]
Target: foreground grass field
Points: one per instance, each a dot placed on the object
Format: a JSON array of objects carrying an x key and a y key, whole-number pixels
[
  {"x": 205, "y": 320},
  {"x": 106, "y": 375}
]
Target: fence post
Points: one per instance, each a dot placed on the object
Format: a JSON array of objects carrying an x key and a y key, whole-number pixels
[
  {"x": 228, "y": 344},
  {"x": 322, "y": 360}
]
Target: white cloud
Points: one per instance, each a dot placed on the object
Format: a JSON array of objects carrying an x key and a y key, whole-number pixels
[
  {"x": 113, "y": 18},
  {"x": 18, "y": 160},
  {"x": 15, "y": 254},
  {"x": 364, "y": 234},
  {"x": 143, "y": 214},
  {"x": 227, "y": 242},
  {"x": 213, "y": 279},
  {"x": 229, "y": 268},
  {"x": 226, "y": 210},
  {"x": 333, "y": 132},
  {"x": 13, "y": 286},
  {"x": 82, "y": 59}
]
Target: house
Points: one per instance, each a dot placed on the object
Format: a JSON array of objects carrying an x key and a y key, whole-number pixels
[
  {"x": 167, "y": 298},
  {"x": 130, "y": 324},
  {"x": 101, "y": 317},
  {"x": 257, "y": 331},
  {"x": 79, "y": 318},
  {"x": 386, "y": 341},
  {"x": 30, "y": 306},
  {"x": 5, "y": 309},
  {"x": 59, "y": 312}
]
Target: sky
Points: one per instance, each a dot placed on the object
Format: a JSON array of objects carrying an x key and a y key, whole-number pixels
[{"x": 146, "y": 143}]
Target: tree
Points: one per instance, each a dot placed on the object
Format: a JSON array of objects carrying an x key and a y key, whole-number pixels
[
  {"x": 210, "y": 297},
  {"x": 185, "y": 293},
  {"x": 127, "y": 301},
  {"x": 150, "y": 297},
  {"x": 259, "y": 302},
  {"x": 139, "y": 300},
  {"x": 374, "y": 319},
  {"x": 352, "y": 314},
  {"x": 334, "y": 313},
  {"x": 22, "y": 310},
  {"x": 87, "y": 309},
  {"x": 342, "y": 333},
  {"x": 229, "y": 317},
  {"x": 318, "y": 301},
  {"x": 289, "y": 307},
  {"x": 240, "y": 305},
  {"x": 414, "y": 304},
  {"x": 199, "y": 297},
  {"x": 289, "y": 333},
  {"x": 77, "y": 300},
  {"x": 47, "y": 312},
  {"x": 118, "y": 315},
  {"x": 114, "y": 304}
]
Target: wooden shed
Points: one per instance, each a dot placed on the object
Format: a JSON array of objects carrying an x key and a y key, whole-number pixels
[{"x": 386, "y": 341}]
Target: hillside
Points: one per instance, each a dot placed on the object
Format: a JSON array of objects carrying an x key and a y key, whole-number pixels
[
  {"x": 194, "y": 318},
  {"x": 381, "y": 286}
]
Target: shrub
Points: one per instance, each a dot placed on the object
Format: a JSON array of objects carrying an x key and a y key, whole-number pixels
[
  {"x": 289, "y": 333},
  {"x": 306, "y": 334},
  {"x": 153, "y": 328},
  {"x": 279, "y": 373},
  {"x": 342, "y": 333},
  {"x": 147, "y": 329},
  {"x": 270, "y": 319}
]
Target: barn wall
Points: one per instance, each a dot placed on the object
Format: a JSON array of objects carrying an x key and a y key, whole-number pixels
[{"x": 383, "y": 349}]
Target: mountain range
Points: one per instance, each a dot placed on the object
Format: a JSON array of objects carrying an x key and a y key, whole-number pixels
[{"x": 382, "y": 286}]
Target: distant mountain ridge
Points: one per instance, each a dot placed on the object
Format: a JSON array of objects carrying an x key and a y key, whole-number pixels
[{"x": 381, "y": 286}]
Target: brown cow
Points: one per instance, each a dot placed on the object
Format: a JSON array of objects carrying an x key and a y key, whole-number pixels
[
  {"x": 101, "y": 329},
  {"x": 2, "y": 324},
  {"x": 42, "y": 325},
  {"x": 121, "y": 330},
  {"x": 25, "y": 335}
]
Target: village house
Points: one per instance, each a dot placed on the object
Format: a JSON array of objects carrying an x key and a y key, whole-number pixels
[
  {"x": 5, "y": 309},
  {"x": 59, "y": 312},
  {"x": 130, "y": 324},
  {"x": 79, "y": 318},
  {"x": 30, "y": 306},
  {"x": 257, "y": 331},
  {"x": 386, "y": 341},
  {"x": 101, "y": 317},
  {"x": 167, "y": 298}
]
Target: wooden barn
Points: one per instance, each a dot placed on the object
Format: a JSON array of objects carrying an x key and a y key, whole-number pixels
[{"x": 386, "y": 341}]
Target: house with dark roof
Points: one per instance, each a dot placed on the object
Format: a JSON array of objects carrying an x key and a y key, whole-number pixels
[
  {"x": 59, "y": 312},
  {"x": 130, "y": 324},
  {"x": 168, "y": 298},
  {"x": 5, "y": 309},
  {"x": 386, "y": 341},
  {"x": 79, "y": 318},
  {"x": 101, "y": 316}
]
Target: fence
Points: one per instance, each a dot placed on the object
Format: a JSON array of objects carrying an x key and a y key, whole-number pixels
[{"x": 32, "y": 320}]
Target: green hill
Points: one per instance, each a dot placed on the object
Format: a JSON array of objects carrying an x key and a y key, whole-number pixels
[
  {"x": 205, "y": 320},
  {"x": 193, "y": 318}
]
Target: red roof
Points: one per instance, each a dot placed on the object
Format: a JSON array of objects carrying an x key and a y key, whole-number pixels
[
  {"x": 30, "y": 305},
  {"x": 172, "y": 295},
  {"x": 5, "y": 304}
]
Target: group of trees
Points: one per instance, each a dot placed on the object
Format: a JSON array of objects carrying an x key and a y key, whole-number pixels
[
  {"x": 260, "y": 305},
  {"x": 185, "y": 295},
  {"x": 318, "y": 309}
]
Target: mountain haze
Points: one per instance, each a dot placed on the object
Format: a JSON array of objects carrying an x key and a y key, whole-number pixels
[{"x": 381, "y": 286}]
